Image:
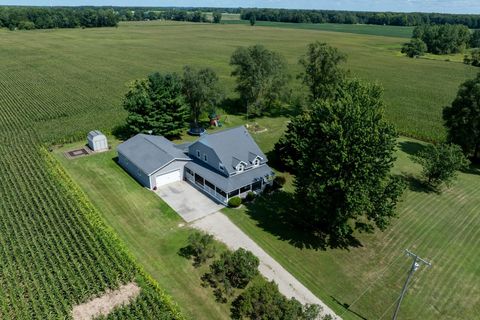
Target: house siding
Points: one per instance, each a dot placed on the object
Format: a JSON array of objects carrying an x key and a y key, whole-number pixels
[
  {"x": 212, "y": 158},
  {"x": 134, "y": 171}
]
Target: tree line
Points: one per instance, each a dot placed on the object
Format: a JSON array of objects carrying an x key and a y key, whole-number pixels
[
  {"x": 441, "y": 39},
  {"x": 353, "y": 17},
  {"x": 28, "y": 18}
]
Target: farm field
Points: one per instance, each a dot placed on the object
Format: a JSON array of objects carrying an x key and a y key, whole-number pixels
[
  {"x": 366, "y": 29},
  {"x": 150, "y": 229},
  {"x": 60, "y": 78},
  {"x": 443, "y": 228}
]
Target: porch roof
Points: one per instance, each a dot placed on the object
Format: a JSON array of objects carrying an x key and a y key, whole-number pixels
[{"x": 233, "y": 182}]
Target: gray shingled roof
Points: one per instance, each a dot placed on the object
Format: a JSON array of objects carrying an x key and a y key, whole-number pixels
[
  {"x": 150, "y": 153},
  {"x": 232, "y": 146},
  {"x": 94, "y": 133},
  {"x": 231, "y": 183}
]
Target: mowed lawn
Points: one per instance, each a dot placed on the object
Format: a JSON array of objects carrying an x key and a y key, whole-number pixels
[
  {"x": 149, "y": 228},
  {"x": 66, "y": 82},
  {"x": 443, "y": 228}
]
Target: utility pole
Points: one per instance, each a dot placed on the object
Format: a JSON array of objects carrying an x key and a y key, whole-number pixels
[{"x": 415, "y": 265}]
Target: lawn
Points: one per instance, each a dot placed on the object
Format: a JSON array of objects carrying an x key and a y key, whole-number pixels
[
  {"x": 443, "y": 228},
  {"x": 149, "y": 228}
]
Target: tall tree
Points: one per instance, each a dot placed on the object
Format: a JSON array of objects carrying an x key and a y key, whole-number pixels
[
  {"x": 156, "y": 104},
  {"x": 201, "y": 90},
  {"x": 261, "y": 77},
  {"x": 322, "y": 72},
  {"x": 217, "y": 17},
  {"x": 414, "y": 48},
  {"x": 462, "y": 118},
  {"x": 253, "y": 19},
  {"x": 345, "y": 154}
]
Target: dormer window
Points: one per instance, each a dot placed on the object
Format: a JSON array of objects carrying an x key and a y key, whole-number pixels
[
  {"x": 198, "y": 154},
  {"x": 240, "y": 167},
  {"x": 205, "y": 157},
  {"x": 221, "y": 167},
  {"x": 256, "y": 162}
]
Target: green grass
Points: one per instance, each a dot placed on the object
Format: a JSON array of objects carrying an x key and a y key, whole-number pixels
[
  {"x": 366, "y": 29},
  {"x": 443, "y": 228},
  {"x": 149, "y": 228}
]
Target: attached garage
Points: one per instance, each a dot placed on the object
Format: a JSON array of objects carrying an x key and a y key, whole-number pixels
[
  {"x": 152, "y": 160},
  {"x": 168, "y": 178}
]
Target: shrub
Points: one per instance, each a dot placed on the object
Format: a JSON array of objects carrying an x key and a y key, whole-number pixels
[
  {"x": 262, "y": 300},
  {"x": 234, "y": 202},
  {"x": 414, "y": 48},
  {"x": 440, "y": 163},
  {"x": 279, "y": 181},
  {"x": 250, "y": 196},
  {"x": 201, "y": 247}
]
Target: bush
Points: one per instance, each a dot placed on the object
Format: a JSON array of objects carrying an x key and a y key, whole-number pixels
[
  {"x": 262, "y": 300},
  {"x": 233, "y": 270},
  {"x": 234, "y": 202},
  {"x": 440, "y": 163},
  {"x": 201, "y": 247},
  {"x": 250, "y": 196},
  {"x": 414, "y": 48},
  {"x": 279, "y": 181}
]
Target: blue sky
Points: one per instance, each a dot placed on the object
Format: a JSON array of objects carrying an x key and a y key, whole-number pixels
[{"x": 450, "y": 6}]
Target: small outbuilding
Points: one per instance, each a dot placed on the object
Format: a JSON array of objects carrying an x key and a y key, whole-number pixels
[{"x": 97, "y": 141}]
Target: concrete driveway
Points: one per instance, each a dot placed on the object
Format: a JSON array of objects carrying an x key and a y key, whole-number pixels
[{"x": 190, "y": 203}]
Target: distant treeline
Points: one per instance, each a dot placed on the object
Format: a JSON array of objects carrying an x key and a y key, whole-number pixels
[
  {"x": 353, "y": 17},
  {"x": 141, "y": 14},
  {"x": 49, "y": 18}
]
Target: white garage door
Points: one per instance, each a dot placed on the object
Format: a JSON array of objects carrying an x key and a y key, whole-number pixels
[{"x": 168, "y": 178}]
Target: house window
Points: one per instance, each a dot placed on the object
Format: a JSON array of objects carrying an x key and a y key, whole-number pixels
[
  {"x": 256, "y": 162},
  {"x": 189, "y": 171},
  {"x": 221, "y": 167},
  {"x": 199, "y": 179},
  {"x": 221, "y": 192},
  {"x": 233, "y": 193},
  {"x": 245, "y": 189},
  {"x": 257, "y": 185},
  {"x": 240, "y": 167},
  {"x": 205, "y": 157},
  {"x": 209, "y": 184},
  {"x": 198, "y": 153}
]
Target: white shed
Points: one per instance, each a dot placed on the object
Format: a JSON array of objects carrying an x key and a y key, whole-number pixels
[{"x": 97, "y": 141}]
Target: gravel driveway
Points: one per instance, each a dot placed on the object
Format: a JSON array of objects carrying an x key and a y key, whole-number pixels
[{"x": 226, "y": 231}]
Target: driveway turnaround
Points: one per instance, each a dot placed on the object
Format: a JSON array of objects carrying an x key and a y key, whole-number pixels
[
  {"x": 226, "y": 231},
  {"x": 190, "y": 203}
]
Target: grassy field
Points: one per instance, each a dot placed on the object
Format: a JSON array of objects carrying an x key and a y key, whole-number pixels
[
  {"x": 60, "y": 78},
  {"x": 150, "y": 229},
  {"x": 443, "y": 228}
]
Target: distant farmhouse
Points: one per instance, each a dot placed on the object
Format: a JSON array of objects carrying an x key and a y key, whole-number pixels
[{"x": 224, "y": 164}]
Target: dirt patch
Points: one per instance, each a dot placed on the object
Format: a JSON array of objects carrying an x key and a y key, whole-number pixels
[{"x": 105, "y": 304}]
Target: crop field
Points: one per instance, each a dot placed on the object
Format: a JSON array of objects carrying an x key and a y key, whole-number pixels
[
  {"x": 60, "y": 78},
  {"x": 366, "y": 29},
  {"x": 55, "y": 249}
]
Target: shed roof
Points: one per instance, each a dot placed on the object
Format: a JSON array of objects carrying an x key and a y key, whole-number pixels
[
  {"x": 230, "y": 183},
  {"x": 233, "y": 146},
  {"x": 150, "y": 153},
  {"x": 94, "y": 133}
]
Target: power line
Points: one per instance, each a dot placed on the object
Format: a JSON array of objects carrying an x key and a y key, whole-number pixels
[
  {"x": 370, "y": 286},
  {"x": 417, "y": 261}
]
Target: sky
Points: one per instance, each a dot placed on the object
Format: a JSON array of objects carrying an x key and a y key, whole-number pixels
[{"x": 444, "y": 6}]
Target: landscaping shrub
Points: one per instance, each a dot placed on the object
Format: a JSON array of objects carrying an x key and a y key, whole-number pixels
[
  {"x": 250, "y": 196},
  {"x": 235, "y": 202}
]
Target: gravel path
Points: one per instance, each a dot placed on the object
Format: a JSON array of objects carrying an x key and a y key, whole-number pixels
[{"x": 226, "y": 231}]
